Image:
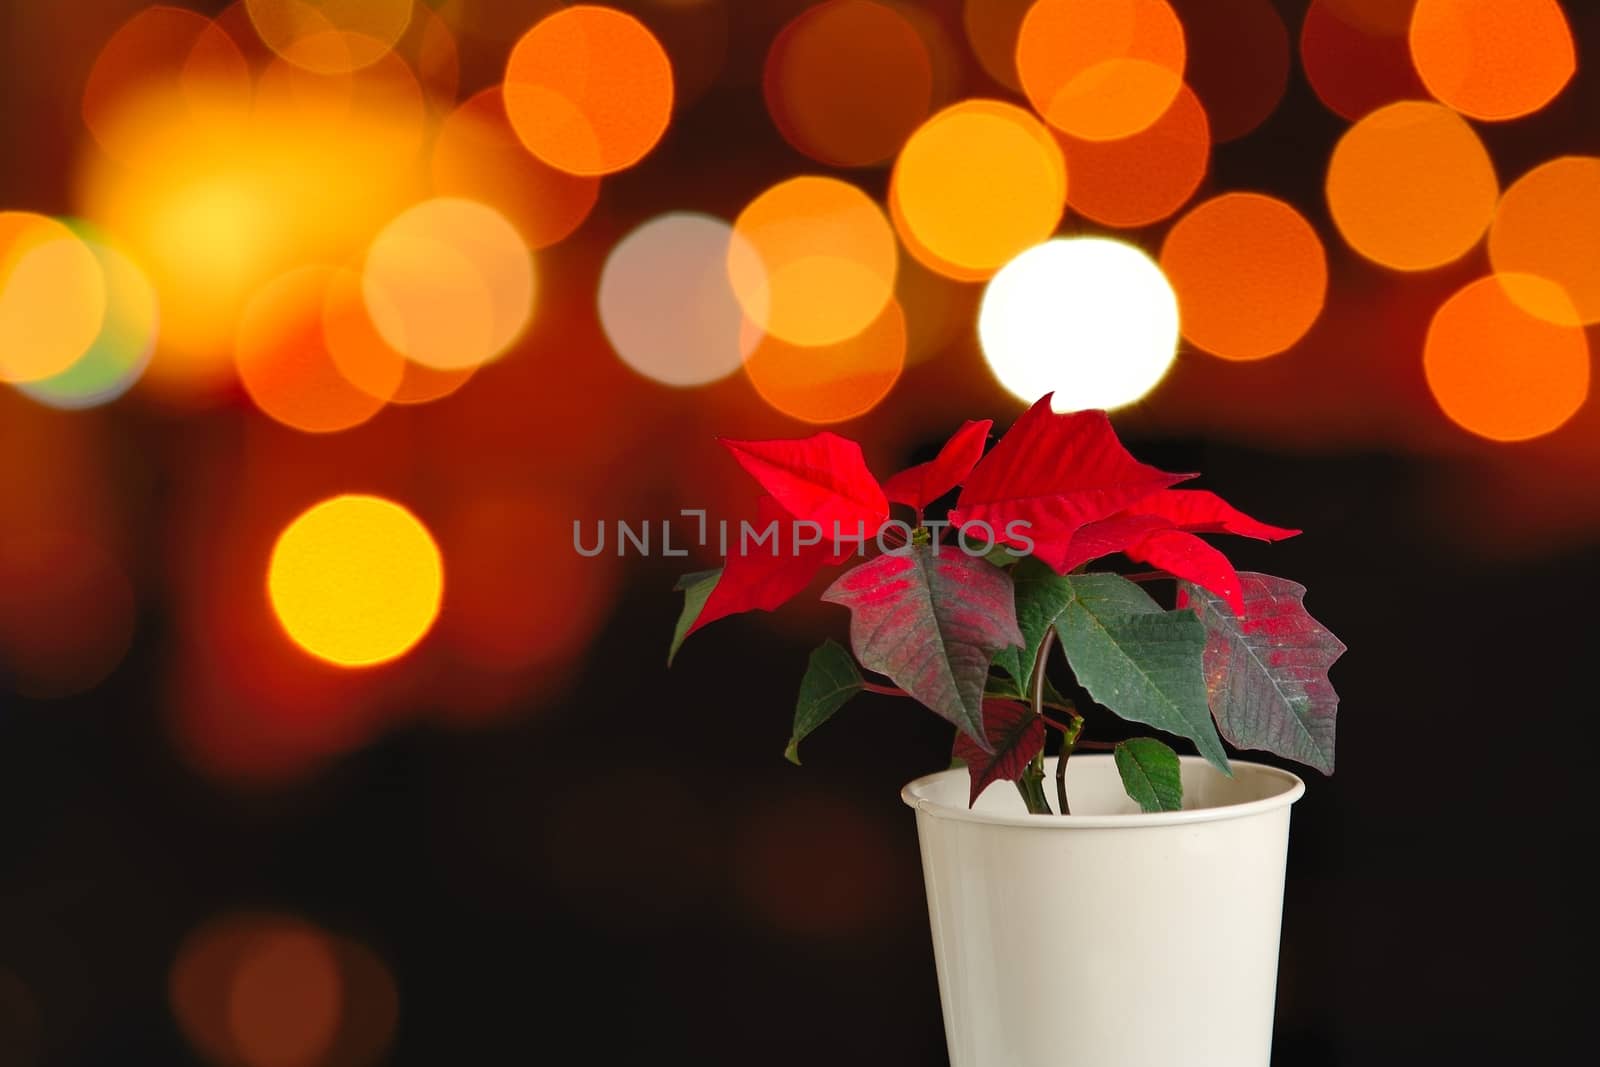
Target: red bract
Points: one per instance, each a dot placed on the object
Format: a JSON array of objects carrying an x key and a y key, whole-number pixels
[
  {"x": 763, "y": 575},
  {"x": 921, "y": 485},
  {"x": 1062, "y": 481},
  {"x": 820, "y": 479},
  {"x": 1202, "y": 511},
  {"x": 1051, "y": 474},
  {"x": 1183, "y": 555},
  {"x": 1160, "y": 530}
]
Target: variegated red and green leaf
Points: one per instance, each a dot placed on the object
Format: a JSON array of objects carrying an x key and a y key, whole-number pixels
[
  {"x": 932, "y": 621},
  {"x": 1016, "y": 735}
]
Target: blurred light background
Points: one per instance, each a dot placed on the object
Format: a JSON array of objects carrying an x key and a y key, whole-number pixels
[{"x": 323, "y": 321}]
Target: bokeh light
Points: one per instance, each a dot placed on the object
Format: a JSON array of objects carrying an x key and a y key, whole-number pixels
[
  {"x": 508, "y": 612},
  {"x": 1547, "y": 225},
  {"x": 52, "y": 297},
  {"x": 1249, "y": 272},
  {"x": 1356, "y": 64},
  {"x": 815, "y": 262},
  {"x": 288, "y": 367},
  {"x": 1385, "y": 18},
  {"x": 667, "y": 304},
  {"x": 67, "y": 616},
  {"x": 285, "y": 999},
  {"x": 330, "y": 36},
  {"x": 476, "y": 156},
  {"x": 695, "y": 35},
  {"x": 1500, "y": 372},
  {"x": 1090, "y": 319},
  {"x": 975, "y": 185},
  {"x": 429, "y": 48},
  {"x": 165, "y": 69},
  {"x": 449, "y": 283},
  {"x": 589, "y": 90},
  {"x": 992, "y": 27},
  {"x": 847, "y": 81},
  {"x": 830, "y": 383},
  {"x": 379, "y": 109},
  {"x": 1238, "y": 61},
  {"x": 122, "y": 349},
  {"x": 1411, "y": 186},
  {"x": 265, "y": 990},
  {"x": 1101, "y": 69},
  {"x": 359, "y": 356},
  {"x": 356, "y": 580},
  {"x": 244, "y": 703},
  {"x": 1144, "y": 178},
  {"x": 1492, "y": 59},
  {"x": 424, "y": 385},
  {"x": 212, "y": 213}
]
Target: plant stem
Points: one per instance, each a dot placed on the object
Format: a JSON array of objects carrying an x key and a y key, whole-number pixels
[
  {"x": 1034, "y": 775},
  {"x": 1031, "y": 786},
  {"x": 1069, "y": 741}
]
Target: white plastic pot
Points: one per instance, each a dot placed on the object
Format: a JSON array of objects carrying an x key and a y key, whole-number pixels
[{"x": 1107, "y": 938}]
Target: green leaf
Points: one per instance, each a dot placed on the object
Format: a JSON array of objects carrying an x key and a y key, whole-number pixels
[
  {"x": 1042, "y": 595},
  {"x": 1268, "y": 672},
  {"x": 1150, "y": 773},
  {"x": 1112, "y": 594},
  {"x": 1143, "y": 663},
  {"x": 831, "y": 679},
  {"x": 696, "y": 589}
]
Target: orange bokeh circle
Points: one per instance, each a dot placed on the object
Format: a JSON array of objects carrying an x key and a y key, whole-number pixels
[
  {"x": 815, "y": 263},
  {"x": 1144, "y": 178},
  {"x": 977, "y": 183},
  {"x": 477, "y": 156},
  {"x": 847, "y": 81},
  {"x": 589, "y": 90},
  {"x": 1411, "y": 186},
  {"x": 1352, "y": 67},
  {"x": 831, "y": 383},
  {"x": 1545, "y": 226},
  {"x": 1492, "y": 59},
  {"x": 1497, "y": 370},
  {"x": 1250, "y": 275},
  {"x": 1101, "y": 69},
  {"x": 284, "y": 360},
  {"x": 992, "y": 27}
]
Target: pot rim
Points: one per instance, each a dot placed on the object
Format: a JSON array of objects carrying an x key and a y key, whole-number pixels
[{"x": 1293, "y": 788}]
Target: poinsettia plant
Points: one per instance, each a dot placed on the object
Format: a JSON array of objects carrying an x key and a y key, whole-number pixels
[{"x": 962, "y": 615}]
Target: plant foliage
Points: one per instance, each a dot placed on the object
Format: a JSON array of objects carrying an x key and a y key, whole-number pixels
[{"x": 965, "y": 624}]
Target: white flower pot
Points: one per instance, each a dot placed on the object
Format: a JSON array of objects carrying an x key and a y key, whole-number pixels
[{"x": 1107, "y": 938}]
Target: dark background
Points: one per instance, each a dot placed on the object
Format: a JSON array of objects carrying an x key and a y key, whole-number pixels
[{"x": 623, "y": 869}]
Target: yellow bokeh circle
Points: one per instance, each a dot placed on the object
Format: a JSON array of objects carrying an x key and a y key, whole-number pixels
[{"x": 356, "y": 580}]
